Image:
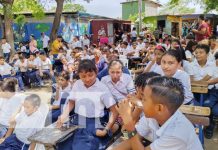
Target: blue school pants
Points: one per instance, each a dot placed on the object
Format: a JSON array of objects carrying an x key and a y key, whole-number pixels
[
  {"x": 212, "y": 101},
  {"x": 85, "y": 138},
  {"x": 45, "y": 72},
  {"x": 7, "y": 57},
  {"x": 13, "y": 143}
]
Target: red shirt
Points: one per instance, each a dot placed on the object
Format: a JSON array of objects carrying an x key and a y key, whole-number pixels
[{"x": 200, "y": 37}]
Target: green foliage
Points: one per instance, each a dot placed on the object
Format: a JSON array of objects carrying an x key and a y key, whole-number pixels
[
  {"x": 69, "y": 7},
  {"x": 20, "y": 20},
  {"x": 208, "y": 5},
  {"x": 176, "y": 7}
]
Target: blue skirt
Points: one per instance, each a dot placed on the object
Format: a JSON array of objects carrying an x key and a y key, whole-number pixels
[
  {"x": 12, "y": 143},
  {"x": 85, "y": 138}
]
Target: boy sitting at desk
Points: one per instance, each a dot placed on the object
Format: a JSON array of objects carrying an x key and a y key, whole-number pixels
[{"x": 165, "y": 126}]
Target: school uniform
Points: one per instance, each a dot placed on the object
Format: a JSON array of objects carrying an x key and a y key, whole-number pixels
[
  {"x": 122, "y": 88},
  {"x": 26, "y": 126},
  {"x": 184, "y": 78},
  {"x": 61, "y": 101},
  {"x": 199, "y": 73},
  {"x": 89, "y": 114},
  {"x": 155, "y": 68},
  {"x": 177, "y": 133},
  {"x": 5, "y": 72},
  {"x": 23, "y": 70},
  {"x": 8, "y": 107},
  {"x": 186, "y": 65},
  {"x": 6, "y": 51}
]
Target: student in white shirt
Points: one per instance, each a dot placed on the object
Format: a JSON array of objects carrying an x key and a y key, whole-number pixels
[
  {"x": 170, "y": 64},
  {"x": 45, "y": 68},
  {"x": 119, "y": 83},
  {"x": 6, "y": 50},
  {"x": 133, "y": 34},
  {"x": 45, "y": 41},
  {"x": 89, "y": 97},
  {"x": 189, "y": 50},
  {"x": 9, "y": 104},
  {"x": 76, "y": 43},
  {"x": 163, "y": 124},
  {"x": 86, "y": 41},
  {"x": 60, "y": 91},
  {"x": 213, "y": 48},
  {"x": 26, "y": 123},
  {"x": 6, "y": 71}
]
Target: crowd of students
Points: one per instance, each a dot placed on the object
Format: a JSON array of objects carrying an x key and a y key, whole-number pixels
[{"x": 95, "y": 86}]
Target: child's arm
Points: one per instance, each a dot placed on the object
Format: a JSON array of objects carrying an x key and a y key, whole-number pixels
[
  {"x": 212, "y": 81},
  {"x": 32, "y": 146},
  {"x": 137, "y": 145}
]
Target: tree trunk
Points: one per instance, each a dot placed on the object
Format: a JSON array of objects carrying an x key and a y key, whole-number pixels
[
  {"x": 8, "y": 20},
  {"x": 57, "y": 19}
]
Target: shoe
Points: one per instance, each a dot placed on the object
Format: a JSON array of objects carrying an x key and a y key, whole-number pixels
[{"x": 208, "y": 132}]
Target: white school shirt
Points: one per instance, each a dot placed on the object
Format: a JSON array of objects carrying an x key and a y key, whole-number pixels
[
  {"x": 6, "y": 48},
  {"x": 141, "y": 46},
  {"x": 120, "y": 89},
  {"x": 61, "y": 92},
  {"x": 155, "y": 68},
  {"x": 199, "y": 72},
  {"x": 45, "y": 41},
  {"x": 186, "y": 65},
  {"x": 211, "y": 55},
  {"x": 23, "y": 49},
  {"x": 134, "y": 33},
  {"x": 27, "y": 126},
  {"x": 5, "y": 69},
  {"x": 177, "y": 133},
  {"x": 9, "y": 107},
  {"x": 45, "y": 65},
  {"x": 189, "y": 55},
  {"x": 21, "y": 65},
  {"x": 86, "y": 42},
  {"x": 184, "y": 78},
  {"x": 147, "y": 127},
  {"x": 76, "y": 44},
  {"x": 90, "y": 102}
]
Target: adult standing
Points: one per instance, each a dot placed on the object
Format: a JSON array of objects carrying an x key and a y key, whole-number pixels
[
  {"x": 45, "y": 40},
  {"x": 56, "y": 45},
  {"x": 6, "y": 50},
  {"x": 201, "y": 32},
  {"x": 33, "y": 44}
]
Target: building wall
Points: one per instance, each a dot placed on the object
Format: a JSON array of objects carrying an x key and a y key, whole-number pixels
[
  {"x": 150, "y": 9},
  {"x": 131, "y": 9}
]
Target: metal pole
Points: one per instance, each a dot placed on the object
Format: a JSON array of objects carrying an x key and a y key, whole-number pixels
[{"x": 140, "y": 14}]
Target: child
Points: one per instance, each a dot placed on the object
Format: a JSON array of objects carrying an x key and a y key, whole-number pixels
[
  {"x": 10, "y": 103},
  {"x": 88, "y": 98},
  {"x": 60, "y": 91},
  {"x": 189, "y": 50},
  {"x": 6, "y": 50},
  {"x": 164, "y": 125},
  {"x": 45, "y": 67},
  {"x": 213, "y": 48},
  {"x": 6, "y": 71},
  {"x": 170, "y": 64},
  {"x": 25, "y": 124}
]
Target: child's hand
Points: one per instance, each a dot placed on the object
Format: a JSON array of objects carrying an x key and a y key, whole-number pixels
[
  {"x": 2, "y": 140},
  {"x": 101, "y": 133},
  {"x": 41, "y": 74},
  {"x": 60, "y": 122},
  {"x": 125, "y": 111}
]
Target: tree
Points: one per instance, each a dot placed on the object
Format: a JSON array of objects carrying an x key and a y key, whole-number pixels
[
  {"x": 10, "y": 7},
  {"x": 208, "y": 5},
  {"x": 176, "y": 8},
  {"x": 57, "y": 18}
]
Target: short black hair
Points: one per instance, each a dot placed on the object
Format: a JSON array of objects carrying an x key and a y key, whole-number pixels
[
  {"x": 167, "y": 91},
  {"x": 114, "y": 62},
  {"x": 60, "y": 37},
  {"x": 175, "y": 53},
  {"x": 34, "y": 99},
  {"x": 216, "y": 55},
  {"x": 9, "y": 85},
  {"x": 190, "y": 44},
  {"x": 65, "y": 75},
  {"x": 205, "y": 47},
  {"x": 43, "y": 53},
  {"x": 142, "y": 79},
  {"x": 201, "y": 17},
  {"x": 87, "y": 65},
  {"x": 213, "y": 37}
]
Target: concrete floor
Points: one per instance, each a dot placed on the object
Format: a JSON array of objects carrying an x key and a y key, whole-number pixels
[{"x": 212, "y": 144}]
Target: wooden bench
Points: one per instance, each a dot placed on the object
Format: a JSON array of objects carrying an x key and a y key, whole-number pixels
[
  {"x": 50, "y": 135},
  {"x": 200, "y": 88}
]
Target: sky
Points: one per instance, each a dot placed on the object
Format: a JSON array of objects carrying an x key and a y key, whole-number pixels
[{"x": 108, "y": 8}]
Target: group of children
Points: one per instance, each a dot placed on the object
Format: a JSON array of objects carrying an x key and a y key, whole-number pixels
[{"x": 95, "y": 88}]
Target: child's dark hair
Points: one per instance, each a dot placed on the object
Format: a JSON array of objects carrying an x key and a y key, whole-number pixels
[
  {"x": 43, "y": 53},
  {"x": 190, "y": 45},
  {"x": 9, "y": 85},
  {"x": 142, "y": 79},
  {"x": 1, "y": 57},
  {"x": 65, "y": 75},
  {"x": 216, "y": 55},
  {"x": 175, "y": 54},
  {"x": 87, "y": 66},
  {"x": 206, "y": 48},
  {"x": 167, "y": 91},
  {"x": 34, "y": 99},
  {"x": 114, "y": 62}
]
